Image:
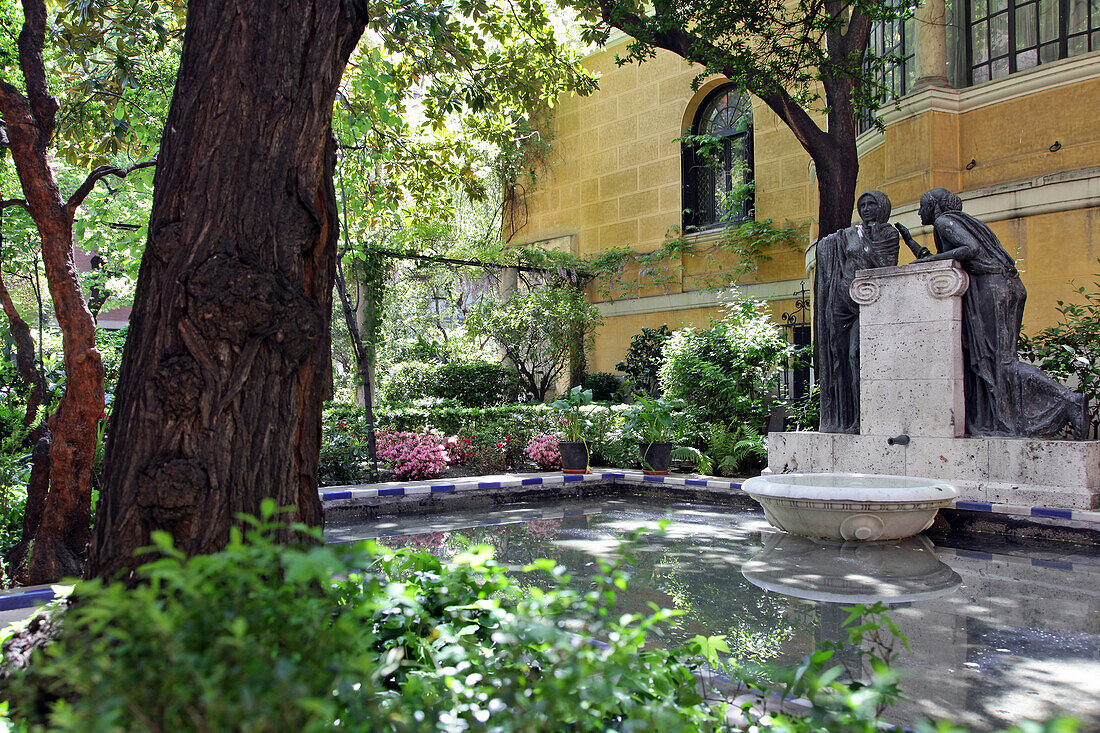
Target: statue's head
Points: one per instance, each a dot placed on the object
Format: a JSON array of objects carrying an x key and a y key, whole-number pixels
[
  {"x": 873, "y": 207},
  {"x": 936, "y": 202}
]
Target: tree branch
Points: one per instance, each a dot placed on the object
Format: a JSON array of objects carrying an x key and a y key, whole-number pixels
[
  {"x": 6, "y": 203},
  {"x": 705, "y": 53},
  {"x": 31, "y": 39},
  {"x": 102, "y": 172}
]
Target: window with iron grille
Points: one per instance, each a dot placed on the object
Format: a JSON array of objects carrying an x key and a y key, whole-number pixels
[
  {"x": 1006, "y": 36},
  {"x": 898, "y": 39},
  {"x": 717, "y": 162}
]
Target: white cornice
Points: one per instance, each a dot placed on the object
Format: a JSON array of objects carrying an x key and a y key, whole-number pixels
[
  {"x": 778, "y": 290},
  {"x": 957, "y": 101},
  {"x": 1052, "y": 193}
]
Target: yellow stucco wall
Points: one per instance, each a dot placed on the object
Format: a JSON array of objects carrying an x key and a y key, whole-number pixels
[{"x": 614, "y": 180}]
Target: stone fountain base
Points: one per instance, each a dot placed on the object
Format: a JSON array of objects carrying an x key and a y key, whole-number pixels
[
  {"x": 911, "y": 385},
  {"x": 1053, "y": 473},
  {"x": 850, "y": 506}
]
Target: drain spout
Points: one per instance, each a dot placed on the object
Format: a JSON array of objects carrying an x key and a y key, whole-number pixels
[{"x": 902, "y": 439}]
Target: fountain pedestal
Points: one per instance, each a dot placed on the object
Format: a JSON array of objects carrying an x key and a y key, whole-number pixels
[{"x": 911, "y": 382}]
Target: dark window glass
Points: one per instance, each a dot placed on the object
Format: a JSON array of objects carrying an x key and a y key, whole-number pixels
[
  {"x": 1006, "y": 36},
  {"x": 718, "y": 175},
  {"x": 892, "y": 38}
]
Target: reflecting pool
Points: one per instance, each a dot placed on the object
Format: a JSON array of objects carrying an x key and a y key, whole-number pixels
[{"x": 1000, "y": 630}]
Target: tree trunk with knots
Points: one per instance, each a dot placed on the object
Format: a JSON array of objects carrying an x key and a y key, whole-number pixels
[{"x": 227, "y": 361}]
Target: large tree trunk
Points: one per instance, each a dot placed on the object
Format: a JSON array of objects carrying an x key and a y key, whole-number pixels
[
  {"x": 836, "y": 187},
  {"x": 227, "y": 360},
  {"x": 61, "y": 540}
]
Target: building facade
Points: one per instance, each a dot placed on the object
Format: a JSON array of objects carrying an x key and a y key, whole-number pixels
[{"x": 995, "y": 103}]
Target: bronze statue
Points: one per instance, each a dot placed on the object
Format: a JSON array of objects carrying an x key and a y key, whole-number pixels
[
  {"x": 871, "y": 243},
  {"x": 1004, "y": 396}
]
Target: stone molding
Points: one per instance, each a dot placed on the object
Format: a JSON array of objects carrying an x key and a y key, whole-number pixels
[
  {"x": 942, "y": 279},
  {"x": 1048, "y": 194},
  {"x": 692, "y": 299},
  {"x": 958, "y": 101}
]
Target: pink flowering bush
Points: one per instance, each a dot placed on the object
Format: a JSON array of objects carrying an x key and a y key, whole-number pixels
[
  {"x": 543, "y": 450},
  {"x": 413, "y": 455}
]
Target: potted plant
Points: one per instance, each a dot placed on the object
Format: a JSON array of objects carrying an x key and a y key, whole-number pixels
[
  {"x": 574, "y": 424},
  {"x": 652, "y": 423}
]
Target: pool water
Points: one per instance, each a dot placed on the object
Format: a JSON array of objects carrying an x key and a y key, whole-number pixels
[{"x": 999, "y": 630}]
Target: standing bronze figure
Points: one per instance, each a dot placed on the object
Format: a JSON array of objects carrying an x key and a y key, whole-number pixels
[
  {"x": 871, "y": 243},
  {"x": 1003, "y": 396}
]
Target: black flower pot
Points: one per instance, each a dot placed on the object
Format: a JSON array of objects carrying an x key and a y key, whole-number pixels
[
  {"x": 574, "y": 456},
  {"x": 655, "y": 458}
]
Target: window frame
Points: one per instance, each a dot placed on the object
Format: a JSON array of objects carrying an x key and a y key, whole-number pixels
[
  {"x": 1061, "y": 40},
  {"x": 691, "y": 175}
]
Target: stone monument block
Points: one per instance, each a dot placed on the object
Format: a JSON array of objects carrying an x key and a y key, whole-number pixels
[{"x": 910, "y": 323}]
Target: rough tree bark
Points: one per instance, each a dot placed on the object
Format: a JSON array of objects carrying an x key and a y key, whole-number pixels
[
  {"x": 62, "y": 536},
  {"x": 227, "y": 360}
]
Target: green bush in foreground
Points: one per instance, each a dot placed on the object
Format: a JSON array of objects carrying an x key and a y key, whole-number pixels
[{"x": 263, "y": 637}]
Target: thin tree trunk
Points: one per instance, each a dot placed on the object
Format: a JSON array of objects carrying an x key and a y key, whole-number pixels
[
  {"x": 228, "y": 356},
  {"x": 364, "y": 361},
  {"x": 366, "y": 356},
  {"x": 24, "y": 357},
  {"x": 61, "y": 540},
  {"x": 38, "y": 438}
]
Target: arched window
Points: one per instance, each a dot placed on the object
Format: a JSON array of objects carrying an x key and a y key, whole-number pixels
[{"x": 717, "y": 162}]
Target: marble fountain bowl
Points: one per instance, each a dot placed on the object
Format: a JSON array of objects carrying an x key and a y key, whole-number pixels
[{"x": 850, "y": 506}]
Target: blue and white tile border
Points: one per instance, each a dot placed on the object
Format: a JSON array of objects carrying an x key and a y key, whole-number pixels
[
  {"x": 347, "y": 495},
  {"x": 351, "y": 496}
]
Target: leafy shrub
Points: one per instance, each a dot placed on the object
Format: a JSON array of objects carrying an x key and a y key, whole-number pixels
[
  {"x": 726, "y": 373},
  {"x": 343, "y": 455},
  {"x": 543, "y": 450},
  {"x": 537, "y": 330},
  {"x": 805, "y": 412},
  {"x": 611, "y": 444},
  {"x": 408, "y": 381},
  {"x": 262, "y": 637},
  {"x": 470, "y": 384},
  {"x": 477, "y": 384},
  {"x": 413, "y": 455},
  {"x": 605, "y": 387},
  {"x": 643, "y": 360},
  {"x": 737, "y": 450},
  {"x": 1070, "y": 350}
]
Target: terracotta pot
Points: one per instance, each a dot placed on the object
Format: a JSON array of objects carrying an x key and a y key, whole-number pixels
[
  {"x": 655, "y": 458},
  {"x": 574, "y": 456}
]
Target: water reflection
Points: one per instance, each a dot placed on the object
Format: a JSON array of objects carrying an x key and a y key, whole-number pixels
[
  {"x": 1001, "y": 630},
  {"x": 831, "y": 571}
]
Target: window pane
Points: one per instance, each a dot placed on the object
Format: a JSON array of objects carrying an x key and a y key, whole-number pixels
[
  {"x": 1078, "y": 15},
  {"x": 998, "y": 36},
  {"x": 981, "y": 74},
  {"x": 1048, "y": 20},
  {"x": 996, "y": 6},
  {"x": 1027, "y": 27},
  {"x": 1048, "y": 53},
  {"x": 1000, "y": 68},
  {"x": 1095, "y": 40},
  {"x": 1078, "y": 45},
  {"x": 978, "y": 9},
  {"x": 978, "y": 36},
  {"x": 1027, "y": 59}
]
